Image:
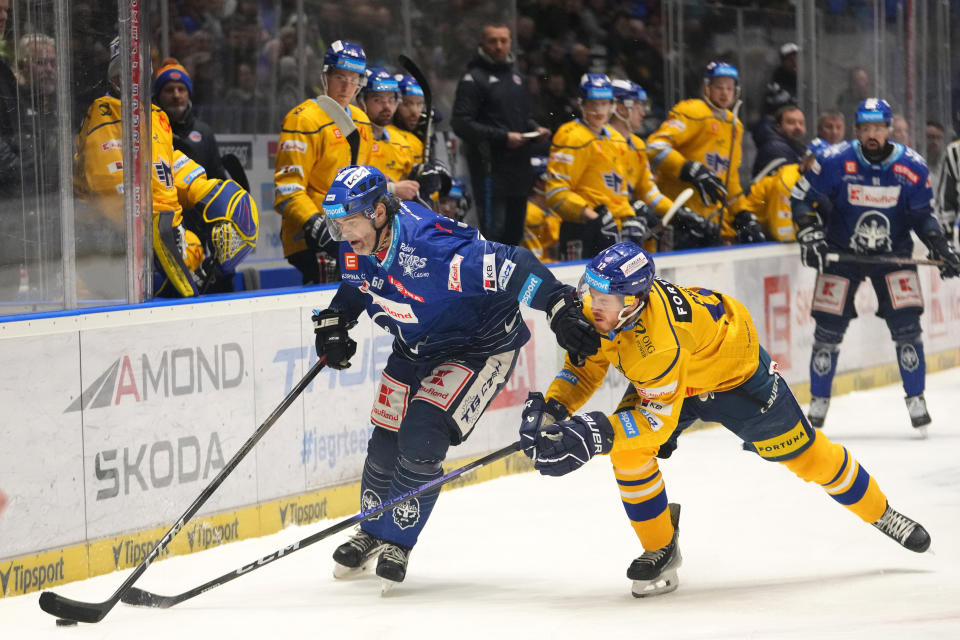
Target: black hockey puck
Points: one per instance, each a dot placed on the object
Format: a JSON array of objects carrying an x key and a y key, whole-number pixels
[{"x": 63, "y": 622}]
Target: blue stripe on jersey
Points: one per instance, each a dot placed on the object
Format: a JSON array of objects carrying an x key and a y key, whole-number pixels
[
  {"x": 568, "y": 376},
  {"x": 648, "y": 509},
  {"x": 843, "y": 469},
  {"x": 856, "y": 490},
  {"x": 634, "y": 483}
]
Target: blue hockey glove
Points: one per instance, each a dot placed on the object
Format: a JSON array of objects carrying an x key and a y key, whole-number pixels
[
  {"x": 575, "y": 334},
  {"x": 941, "y": 249},
  {"x": 333, "y": 340},
  {"x": 748, "y": 228},
  {"x": 538, "y": 413},
  {"x": 706, "y": 182},
  {"x": 567, "y": 445},
  {"x": 813, "y": 246}
]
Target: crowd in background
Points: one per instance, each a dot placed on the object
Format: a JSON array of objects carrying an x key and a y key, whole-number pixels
[{"x": 250, "y": 62}]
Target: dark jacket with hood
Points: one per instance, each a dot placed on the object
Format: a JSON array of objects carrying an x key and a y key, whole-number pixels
[{"x": 195, "y": 139}]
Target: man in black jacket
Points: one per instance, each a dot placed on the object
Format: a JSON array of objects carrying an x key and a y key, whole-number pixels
[
  {"x": 785, "y": 139},
  {"x": 491, "y": 113},
  {"x": 11, "y": 219},
  {"x": 172, "y": 89}
]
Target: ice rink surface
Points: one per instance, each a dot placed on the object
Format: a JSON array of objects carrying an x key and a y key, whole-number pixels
[{"x": 765, "y": 556}]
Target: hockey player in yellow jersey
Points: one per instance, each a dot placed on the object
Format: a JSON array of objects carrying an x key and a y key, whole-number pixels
[
  {"x": 98, "y": 181},
  {"x": 585, "y": 175},
  {"x": 699, "y": 144},
  {"x": 649, "y": 204},
  {"x": 769, "y": 197},
  {"x": 689, "y": 353},
  {"x": 408, "y": 115},
  {"x": 310, "y": 152},
  {"x": 390, "y": 151},
  {"x": 541, "y": 229}
]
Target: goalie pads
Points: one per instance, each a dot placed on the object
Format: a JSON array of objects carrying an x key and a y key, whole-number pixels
[{"x": 233, "y": 219}]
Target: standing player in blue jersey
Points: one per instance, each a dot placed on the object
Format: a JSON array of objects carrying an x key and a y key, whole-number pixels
[
  {"x": 451, "y": 299},
  {"x": 879, "y": 191}
]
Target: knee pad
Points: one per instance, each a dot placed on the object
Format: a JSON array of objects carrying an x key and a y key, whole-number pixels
[
  {"x": 830, "y": 333},
  {"x": 905, "y": 332},
  {"x": 427, "y": 467},
  {"x": 425, "y": 434},
  {"x": 382, "y": 450}
]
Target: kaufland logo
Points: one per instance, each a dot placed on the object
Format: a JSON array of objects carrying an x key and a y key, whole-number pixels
[{"x": 175, "y": 372}]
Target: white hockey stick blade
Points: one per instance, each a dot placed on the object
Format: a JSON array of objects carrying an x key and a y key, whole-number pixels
[
  {"x": 677, "y": 203},
  {"x": 770, "y": 166},
  {"x": 343, "y": 121}
]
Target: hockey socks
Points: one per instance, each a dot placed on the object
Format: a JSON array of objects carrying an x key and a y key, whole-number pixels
[
  {"x": 644, "y": 497},
  {"x": 402, "y": 524},
  {"x": 842, "y": 477},
  {"x": 913, "y": 367},
  {"x": 823, "y": 366}
]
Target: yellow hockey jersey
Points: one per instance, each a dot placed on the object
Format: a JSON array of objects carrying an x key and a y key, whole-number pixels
[
  {"x": 98, "y": 161},
  {"x": 694, "y": 132},
  {"x": 310, "y": 152},
  {"x": 586, "y": 169},
  {"x": 411, "y": 140},
  {"x": 686, "y": 341},
  {"x": 541, "y": 231},
  {"x": 640, "y": 177},
  {"x": 392, "y": 154},
  {"x": 769, "y": 200}
]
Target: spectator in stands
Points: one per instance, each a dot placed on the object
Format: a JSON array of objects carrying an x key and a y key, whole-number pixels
[
  {"x": 786, "y": 141},
  {"x": 11, "y": 239},
  {"x": 244, "y": 102},
  {"x": 857, "y": 90},
  {"x": 172, "y": 91},
  {"x": 935, "y": 142},
  {"x": 491, "y": 114},
  {"x": 785, "y": 75},
  {"x": 831, "y": 127},
  {"x": 900, "y": 130},
  {"x": 554, "y": 105}
]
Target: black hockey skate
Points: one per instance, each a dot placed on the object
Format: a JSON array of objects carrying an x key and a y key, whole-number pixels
[
  {"x": 392, "y": 565},
  {"x": 909, "y": 533},
  {"x": 917, "y": 407},
  {"x": 817, "y": 412},
  {"x": 356, "y": 554},
  {"x": 655, "y": 572}
]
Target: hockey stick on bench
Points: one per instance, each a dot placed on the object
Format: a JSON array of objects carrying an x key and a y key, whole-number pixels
[
  {"x": 346, "y": 125},
  {"x": 668, "y": 216},
  {"x": 147, "y": 599},
  {"x": 57, "y": 605}
]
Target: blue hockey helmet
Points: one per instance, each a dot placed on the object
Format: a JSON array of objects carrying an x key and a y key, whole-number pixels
[
  {"x": 355, "y": 191},
  {"x": 718, "y": 69},
  {"x": 623, "y": 270},
  {"x": 379, "y": 80},
  {"x": 408, "y": 85},
  {"x": 595, "y": 86},
  {"x": 539, "y": 166},
  {"x": 874, "y": 110},
  {"x": 347, "y": 56},
  {"x": 625, "y": 90}
]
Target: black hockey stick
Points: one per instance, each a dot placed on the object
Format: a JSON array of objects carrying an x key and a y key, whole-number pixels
[
  {"x": 421, "y": 79},
  {"x": 147, "y": 599},
  {"x": 234, "y": 168},
  {"x": 57, "y": 605},
  {"x": 346, "y": 125},
  {"x": 880, "y": 259}
]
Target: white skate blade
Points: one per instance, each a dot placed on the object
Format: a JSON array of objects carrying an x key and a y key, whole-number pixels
[
  {"x": 386, "y": 586},
  {"x": 664, "y": 583},
  {"x": 342, "y": 572},
  {"x": 921, "y": 432}
]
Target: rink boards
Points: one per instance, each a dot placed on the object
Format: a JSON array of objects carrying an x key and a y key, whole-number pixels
[{"x": 115, "y": 421}]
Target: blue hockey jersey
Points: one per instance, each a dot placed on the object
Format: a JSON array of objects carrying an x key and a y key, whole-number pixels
[
  {"x": 443, "y": 290},
  {"x": 874, "y": 206}
]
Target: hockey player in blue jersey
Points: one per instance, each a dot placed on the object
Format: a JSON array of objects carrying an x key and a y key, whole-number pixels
[
  {"x": 879, "y": 190},
  {"x": 451, "y": 299}
]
